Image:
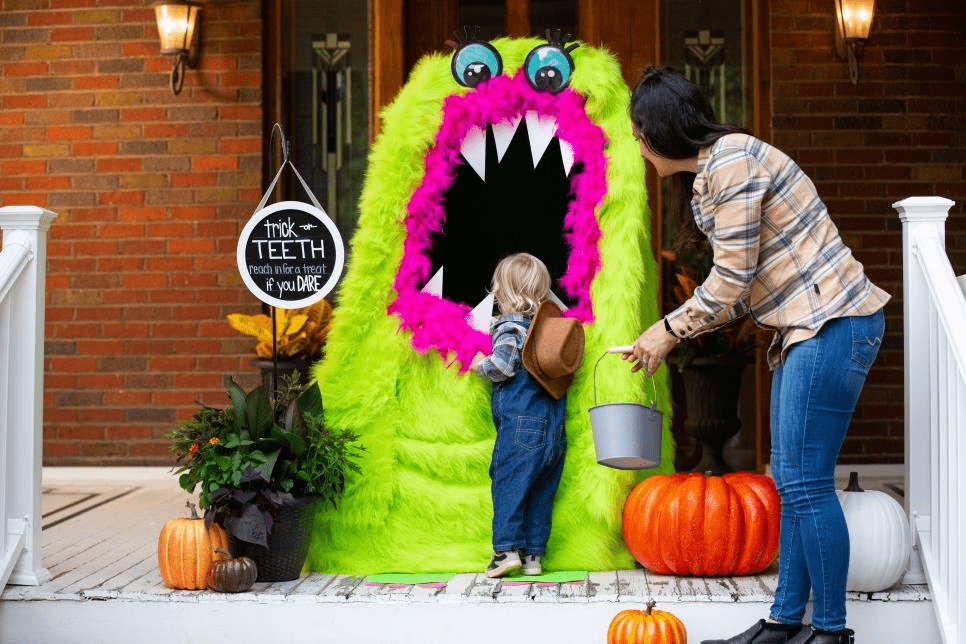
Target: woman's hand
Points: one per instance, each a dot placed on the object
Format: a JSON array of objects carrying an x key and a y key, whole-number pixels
[{"x": 651, "y": 348}]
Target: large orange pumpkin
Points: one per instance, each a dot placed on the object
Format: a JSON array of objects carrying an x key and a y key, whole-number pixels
[
  {"x": 695, "y": 524},
  {"x": 186, "y": 549},
  {"x": 648, "y": 626}
]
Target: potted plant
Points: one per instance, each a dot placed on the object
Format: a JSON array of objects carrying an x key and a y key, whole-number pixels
[
  {"x": 707, "y": 371},
  {"x": 299, "y": 338},
  {"x": 263, "y": 465}
]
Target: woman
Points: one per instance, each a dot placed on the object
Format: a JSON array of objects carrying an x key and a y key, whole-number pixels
[{"x": 778, "y": 257}]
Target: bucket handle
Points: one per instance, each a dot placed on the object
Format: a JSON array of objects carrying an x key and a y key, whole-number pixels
[{"x": 597, "y": 364}]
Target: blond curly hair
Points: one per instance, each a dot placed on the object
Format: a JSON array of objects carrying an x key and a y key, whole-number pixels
[{"x": 520, "y": 283}]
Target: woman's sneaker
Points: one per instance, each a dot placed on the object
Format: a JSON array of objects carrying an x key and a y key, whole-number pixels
[
  {"x": 503, "y": 563},
  {"x": 531, "y": 565}
]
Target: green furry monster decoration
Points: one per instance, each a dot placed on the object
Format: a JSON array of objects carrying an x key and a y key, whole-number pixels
[{"x": 395, "y": 364}]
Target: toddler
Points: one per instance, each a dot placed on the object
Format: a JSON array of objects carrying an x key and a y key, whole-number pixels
[{"x": 528, "y": 454}]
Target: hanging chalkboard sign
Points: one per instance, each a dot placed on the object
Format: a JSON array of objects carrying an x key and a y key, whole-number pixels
[{"x": 290, "y": 254}]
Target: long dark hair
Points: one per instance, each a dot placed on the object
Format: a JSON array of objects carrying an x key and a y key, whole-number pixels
[{"x": 674, "y": 119}]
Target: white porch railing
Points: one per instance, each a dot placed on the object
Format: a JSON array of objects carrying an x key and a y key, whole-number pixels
[
  {"x": 23, "y": 262},
  {"x": 934, "y": 310}
]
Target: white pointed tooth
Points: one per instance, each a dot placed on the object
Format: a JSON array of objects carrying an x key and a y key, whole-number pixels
[
  {"x": 558, "y": 301},
  {"x": 473, "y": 150},
  {"x": 481, "y": 314},
  {"x": 567, "y": 155},
  {"x": 435, "y": 285},
  {"x": 541, "y": 130},
  {"x": 503, "y": 133}
]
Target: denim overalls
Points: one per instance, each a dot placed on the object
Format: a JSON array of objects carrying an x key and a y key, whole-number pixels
[{"x": 527, "y": 460}]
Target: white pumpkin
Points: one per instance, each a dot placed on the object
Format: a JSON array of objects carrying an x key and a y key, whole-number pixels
[{"x": 879, "y": 538}]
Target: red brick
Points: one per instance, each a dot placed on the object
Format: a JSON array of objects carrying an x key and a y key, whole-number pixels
[
  {"x": 146, "y": 213},
  {"x": 72, "y": 67},
  {"x": 129, "y": 198},
  {"x": 181, "y": 179},
  {"x": 69, "y": 133},
  {"x": 48, "y": 183},
  {"x": 142, "y": 114},
  {"x": 94, "y": 148},
  {"x": 101, "y": 81},
  {"x": 72, "y": 34},
  {"x": 144, "y": 280},
  {"x": 240, "y": 113},
  {"x": 119, "y": 165},
  {"x": 165, "y": 131},
  {"x": 24, "y": 167},
  {"x": 139, "y": 49},
  {"x": 48, "y": 18},
  {"x": 241, "y": 146},
  {"x": 25, "y": 69},
  {"x": 191, "y": 246},
  {"x": 223, "y": 162},
  {"x": 25, "y": 101}
]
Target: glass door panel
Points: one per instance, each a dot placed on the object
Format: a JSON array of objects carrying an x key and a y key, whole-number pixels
[{"x": 325, "y": 80}]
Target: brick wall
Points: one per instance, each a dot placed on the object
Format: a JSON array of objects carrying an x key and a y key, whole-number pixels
[
  {"x": 151, "y": 190},
  {"x": 898, "y": 133}
]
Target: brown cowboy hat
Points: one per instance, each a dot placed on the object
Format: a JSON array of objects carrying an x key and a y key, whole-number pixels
[{"x": 553, "y": 349}]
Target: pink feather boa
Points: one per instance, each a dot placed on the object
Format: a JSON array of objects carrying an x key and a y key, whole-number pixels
[{"x": 440, "y": 323}]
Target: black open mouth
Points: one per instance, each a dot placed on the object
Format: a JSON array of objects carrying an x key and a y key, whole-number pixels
[
  {"x": 512, "y": 170},
  {"x": 510, "y": 194}
]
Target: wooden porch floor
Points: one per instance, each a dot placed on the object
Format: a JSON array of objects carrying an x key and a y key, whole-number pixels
[{"x": 99, "y": 543}]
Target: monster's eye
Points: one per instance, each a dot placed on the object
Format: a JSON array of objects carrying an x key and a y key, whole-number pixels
[
  {"x": 476, "y": 62},
  {"x": 548, "y": 68}
]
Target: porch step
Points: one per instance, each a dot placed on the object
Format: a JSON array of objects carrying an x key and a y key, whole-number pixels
[
  {"x": 469, "y": 609},
  {"x": 99, "y": 544}
]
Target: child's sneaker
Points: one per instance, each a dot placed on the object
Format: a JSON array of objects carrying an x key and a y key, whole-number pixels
[
  {"x": 503, "y": 563},
  {"x": 531, "y": 565}
]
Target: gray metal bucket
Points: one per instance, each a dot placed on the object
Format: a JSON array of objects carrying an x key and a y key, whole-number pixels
[{"x": 627, "y": 436}]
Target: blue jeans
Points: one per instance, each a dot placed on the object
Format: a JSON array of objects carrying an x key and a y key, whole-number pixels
[
  {"x": 528, "y": 458},
  {"x": 814, "y": 393}
]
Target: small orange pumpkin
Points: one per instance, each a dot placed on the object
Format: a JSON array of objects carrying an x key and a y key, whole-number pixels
[
  {"x": 648, "y": 626},
  {"x": 697, "y": 524},
  {"x": 186, "y": 550}
]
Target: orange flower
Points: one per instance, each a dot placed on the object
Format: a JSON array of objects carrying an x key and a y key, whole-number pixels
[
  {"x": 193, "y": 448},
  {"x": 213, "y": 440}
]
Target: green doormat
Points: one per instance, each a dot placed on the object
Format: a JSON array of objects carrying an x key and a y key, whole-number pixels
[{"x": 408, "y": 579}]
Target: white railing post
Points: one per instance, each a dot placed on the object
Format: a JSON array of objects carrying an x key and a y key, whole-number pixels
[
  {"x": 21, "y": 376},
  {"x": 920, "y": 216},
  {"x": 934, "y": 313}
]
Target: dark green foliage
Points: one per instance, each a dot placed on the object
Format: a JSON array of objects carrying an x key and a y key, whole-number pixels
[{"x": 261, "y": 454}]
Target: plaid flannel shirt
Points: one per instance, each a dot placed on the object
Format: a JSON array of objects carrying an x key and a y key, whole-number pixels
[
  {"x": 777, "y": 254},
  {"x": 509, "y": 332}
]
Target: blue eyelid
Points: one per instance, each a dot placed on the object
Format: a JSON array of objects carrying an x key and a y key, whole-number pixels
[
  {"x": 549, "y": 68},
  {"x": 476, "y": 62}
]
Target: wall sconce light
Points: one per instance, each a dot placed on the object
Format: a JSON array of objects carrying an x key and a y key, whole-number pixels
[
  {"x": 853, "y": 21},
  {"x": 178, "y": 29}
]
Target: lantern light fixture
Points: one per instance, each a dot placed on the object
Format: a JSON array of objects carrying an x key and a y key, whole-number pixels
[
  {"x": 853, "y": 22},
  {"x": 178, "y": 22}
]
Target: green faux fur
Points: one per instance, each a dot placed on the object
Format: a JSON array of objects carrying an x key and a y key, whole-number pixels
[{"x": 422, "y": 503}]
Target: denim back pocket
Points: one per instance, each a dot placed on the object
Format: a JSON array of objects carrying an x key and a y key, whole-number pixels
[
  {"x": 531, "y": 433},
  {"x": 867, "y": 332}
]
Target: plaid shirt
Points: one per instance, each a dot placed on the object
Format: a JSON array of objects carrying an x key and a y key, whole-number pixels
[
  {"x": 777, "y": 254},
  {"x": 509, "y": 332}
]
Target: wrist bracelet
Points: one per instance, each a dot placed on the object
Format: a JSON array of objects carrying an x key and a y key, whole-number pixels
[{"x": 667, "y": 327}]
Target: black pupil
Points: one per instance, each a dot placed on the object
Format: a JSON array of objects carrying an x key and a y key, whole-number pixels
[
  {"x": 548, "y": 78},
  {"x": 475, "y": 74}
]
